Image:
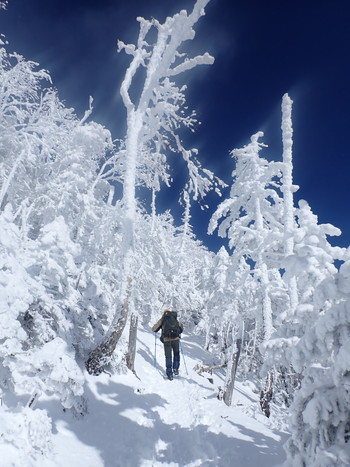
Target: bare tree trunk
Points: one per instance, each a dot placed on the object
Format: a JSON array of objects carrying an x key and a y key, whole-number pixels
[
  {"x": 207, "y": 334},
  {"x": 130, "y": 356},
  {"x": 33, "y": 399},
  {"x": 266, "y": 395},
  {"x": 231, "y": 374},
  {"x": 101, "y": 356}
]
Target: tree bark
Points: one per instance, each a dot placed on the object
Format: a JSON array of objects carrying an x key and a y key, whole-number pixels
[
  {"x": 101, "y": 356},
  {"x": 207, "y": 334},
  {"x": 130, "y": 356},
  {"x": 266, "y": 395},
  {"x": 33, "y": 400},
  {"x": 231, "y": 374}
]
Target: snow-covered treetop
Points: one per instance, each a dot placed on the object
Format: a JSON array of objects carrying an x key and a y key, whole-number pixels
[
  {"x": 254, "y": 178},
  {"x": 159, "y": 109},
  {"x": 163, "y": 59}
]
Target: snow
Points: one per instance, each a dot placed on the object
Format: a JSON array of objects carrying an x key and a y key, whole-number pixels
[
  {"x": 146, "y": 421},
  {"x": 69, "y": 259}
]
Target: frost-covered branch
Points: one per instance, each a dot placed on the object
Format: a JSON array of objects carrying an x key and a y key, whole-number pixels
[
  {"x": 200, "y": 180},
  {"x": 187, "y": 64},
  {"x": 154, "y": 117}
]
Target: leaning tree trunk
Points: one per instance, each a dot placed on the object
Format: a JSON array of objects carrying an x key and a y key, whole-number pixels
[
  {"x": 101, "y": 356},
  {"x": 130, "y": 356},
  {"x": 231, "y": 374}
]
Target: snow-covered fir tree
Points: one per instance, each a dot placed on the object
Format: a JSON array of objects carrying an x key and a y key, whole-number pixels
[
  {"x": 320, "y": 417},
  {"x": 309, "y": 259},
  {"x": 253, "y": 223}
]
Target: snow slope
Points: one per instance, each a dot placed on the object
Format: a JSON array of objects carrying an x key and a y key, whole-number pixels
[{"x": 149, "y": 421}]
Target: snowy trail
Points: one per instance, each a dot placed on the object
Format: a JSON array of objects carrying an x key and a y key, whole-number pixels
[{"x": 153, "y": 422}]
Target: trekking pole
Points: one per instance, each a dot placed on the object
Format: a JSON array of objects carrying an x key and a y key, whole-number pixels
[
  {"x": 183, "y": 356},
  {"x": 155, "y": 350}
]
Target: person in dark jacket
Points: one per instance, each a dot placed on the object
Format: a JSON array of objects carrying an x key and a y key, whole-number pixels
[{"x": 171, "y": 346}]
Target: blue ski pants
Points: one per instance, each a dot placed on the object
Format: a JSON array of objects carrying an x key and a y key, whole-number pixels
[{"x": 172, "y": 356}]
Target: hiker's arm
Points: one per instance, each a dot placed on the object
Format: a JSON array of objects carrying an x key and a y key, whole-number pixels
[
  {"x": 181, "y": 326},
  {"x": 157, "y": 326}
]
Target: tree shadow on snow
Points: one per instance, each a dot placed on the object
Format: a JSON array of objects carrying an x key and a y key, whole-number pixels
[
  {"x": 125, "y": 428},
  {"x": 147, "y": 357},
  {"x": 193, "y": 346}
]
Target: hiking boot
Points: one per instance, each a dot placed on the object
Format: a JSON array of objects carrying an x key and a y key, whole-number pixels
[
  {"x": 176, "y": 372},
  {"x": 170, "y": 377}
]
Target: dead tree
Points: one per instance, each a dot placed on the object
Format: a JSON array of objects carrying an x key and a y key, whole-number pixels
[{"x": 231, "y": 373}]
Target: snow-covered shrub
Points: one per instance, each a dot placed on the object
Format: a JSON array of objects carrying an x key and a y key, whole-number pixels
[
  {"x": 25, "y": 437},
  {"x": 31, "y": 354},
  {"x": 51, "y": 369}
]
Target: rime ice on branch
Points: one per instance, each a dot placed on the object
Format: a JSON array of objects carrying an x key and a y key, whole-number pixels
[{"x": 153, "y": 120}]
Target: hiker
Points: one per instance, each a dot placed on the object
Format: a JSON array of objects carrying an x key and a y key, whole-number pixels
[{"x": 171, "y": 330}]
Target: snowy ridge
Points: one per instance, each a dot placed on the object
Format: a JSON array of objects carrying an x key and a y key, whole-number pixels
[{"x": 152, "y": 422}]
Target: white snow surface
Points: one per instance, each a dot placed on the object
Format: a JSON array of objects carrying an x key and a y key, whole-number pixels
[{"x": 146, "y": 420}]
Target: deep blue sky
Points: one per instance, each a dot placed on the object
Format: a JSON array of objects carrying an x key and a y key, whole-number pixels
[{"x": 262, "y": 49}]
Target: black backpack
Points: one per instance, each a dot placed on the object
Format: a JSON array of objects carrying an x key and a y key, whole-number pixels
[{"x": 170, "y": 325}]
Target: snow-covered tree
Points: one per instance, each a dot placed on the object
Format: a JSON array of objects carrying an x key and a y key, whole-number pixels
[
  {"x": 252, "y": 217},
  {"x": 53, "y": 204},
  {"x": 320, "y": 416},
  {"x": 20, "y": 145},
  {"x": 310, "y": 259},
  {"x": 154, "y": 118}
]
